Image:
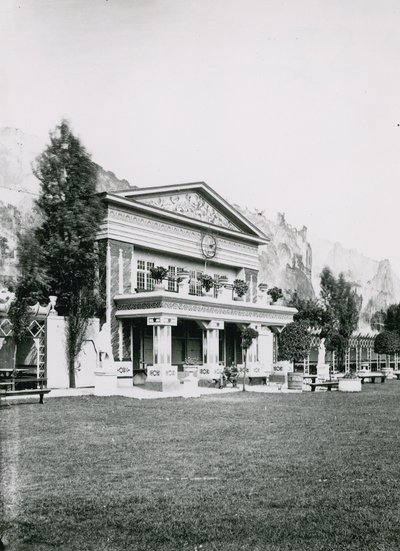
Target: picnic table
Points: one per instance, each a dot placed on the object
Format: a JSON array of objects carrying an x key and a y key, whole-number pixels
[{"x": 372, "y": 376}]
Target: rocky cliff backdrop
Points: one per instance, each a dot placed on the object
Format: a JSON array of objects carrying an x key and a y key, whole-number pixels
[{"x": 290, "y": 261}]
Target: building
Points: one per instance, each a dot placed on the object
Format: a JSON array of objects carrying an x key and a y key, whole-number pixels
[{"x": 190, "y": 230}]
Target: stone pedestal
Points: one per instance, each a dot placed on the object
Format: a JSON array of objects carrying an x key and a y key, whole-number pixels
[
  {"x": 190, "y": 386},
  {"x": 163, "y": 378},
  {"x": 323, "y": 372}
]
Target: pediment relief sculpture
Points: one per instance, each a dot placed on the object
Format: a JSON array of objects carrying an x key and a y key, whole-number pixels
[{"x": 190, "y": 204}]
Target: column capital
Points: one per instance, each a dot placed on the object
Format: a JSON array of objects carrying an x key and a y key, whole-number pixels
[{"x": 162, "y": 320}]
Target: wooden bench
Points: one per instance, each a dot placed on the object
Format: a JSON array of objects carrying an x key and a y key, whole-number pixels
[
  {"x": 6, "y": 392},
  {"x": 324, "y": 384},
  {"x": 257, "y": 379},
  {"x": 26, "y": 392},
  {"x": 372, "y": 377}
]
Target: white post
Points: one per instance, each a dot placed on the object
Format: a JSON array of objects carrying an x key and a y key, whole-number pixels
[{"x": 120, "y": 272}]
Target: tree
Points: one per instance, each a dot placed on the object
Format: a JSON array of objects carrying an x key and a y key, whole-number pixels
[
  {"x": 248, "y": 335},
  {"x": 392, "y": 318},
  {"x": 313, "y": 312},
  {"x": 60, "y": 257},
  {"x": 343, "y": 305},
  {"x": 387, "y": 342},
  {"x": 294, "y": 342}
]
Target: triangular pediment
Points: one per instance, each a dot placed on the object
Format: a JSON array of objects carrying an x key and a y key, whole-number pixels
[{"x": 196, "y": 201}]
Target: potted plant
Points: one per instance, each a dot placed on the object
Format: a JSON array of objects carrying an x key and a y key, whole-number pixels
[
  {"x": 275, "y": 293},
  {"x": 158, "y": 273},
  {"x": 350, "y": 382},
  {"x": 240, "y": 287},
  {"x": 207, "y": 282}
]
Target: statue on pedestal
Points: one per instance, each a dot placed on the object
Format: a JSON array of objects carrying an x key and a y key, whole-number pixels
[{"x": 321, "y": 352}]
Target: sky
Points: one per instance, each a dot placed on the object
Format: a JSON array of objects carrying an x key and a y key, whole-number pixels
[{"x": 280, "y": 105}]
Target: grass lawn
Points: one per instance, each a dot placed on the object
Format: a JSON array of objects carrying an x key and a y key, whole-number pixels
[{"x": 245, "y": 471}]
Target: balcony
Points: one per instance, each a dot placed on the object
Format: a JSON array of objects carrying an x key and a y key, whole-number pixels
[{"x": 181, "y": 298}]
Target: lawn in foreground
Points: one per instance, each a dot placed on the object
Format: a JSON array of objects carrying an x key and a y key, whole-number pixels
[{"x": 241, "y": 471}]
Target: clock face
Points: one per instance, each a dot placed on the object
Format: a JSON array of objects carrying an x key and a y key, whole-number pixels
[{"x": 209, "y": 246}]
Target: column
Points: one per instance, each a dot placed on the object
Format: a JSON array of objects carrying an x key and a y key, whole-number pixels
[
  {"x": 211, "y": 368},
  {"x": 253, "y": 367},
  {"x": 265, "y": 350},
  {"x": 162, "y": 375}
]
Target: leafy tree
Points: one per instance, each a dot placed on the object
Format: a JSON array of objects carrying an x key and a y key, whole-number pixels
[
  {"x": 343, "y": 306},
  {"x": 294, "y": 341},
  {"x": 387, "y": 342},
  {"x": 248, "y": 335},
  {"x": 31, "y": 286},
  {"x": 60, "y": 256},
  {"x": 313, "y": 312},
  {"x": 392, "y": 318}
]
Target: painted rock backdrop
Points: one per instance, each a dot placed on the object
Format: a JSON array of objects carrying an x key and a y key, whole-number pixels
[{"x": 291, "y": 260}]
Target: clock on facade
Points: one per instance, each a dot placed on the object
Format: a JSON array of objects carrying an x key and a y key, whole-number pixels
[{"x": 209, "y": 246}]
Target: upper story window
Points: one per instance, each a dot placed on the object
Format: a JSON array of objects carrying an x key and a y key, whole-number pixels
[
  {"x": 173, "y": 279},
  {"x": 195, "y": 285},
  {"x": 144, "y": 280},
  {"x": 146, "y": 283}
]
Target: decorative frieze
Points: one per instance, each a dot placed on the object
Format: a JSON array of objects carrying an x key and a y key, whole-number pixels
[
  {"x": 194, "y": 307},
  {"x": 190, "y": 204}
]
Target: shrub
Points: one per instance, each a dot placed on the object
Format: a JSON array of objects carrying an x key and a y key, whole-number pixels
[
  {"x": 387, "y": 342},
  {"x": 294, "y": 342}
]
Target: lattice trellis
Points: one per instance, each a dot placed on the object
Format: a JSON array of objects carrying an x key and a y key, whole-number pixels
[
  {"x": 5, "y": 328},
  {"x": 358, "y": 344},
  {"x": 37, "y": 330}
]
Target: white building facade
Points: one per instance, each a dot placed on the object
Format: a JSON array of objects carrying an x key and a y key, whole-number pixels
[{"x": 157, "y": 330}]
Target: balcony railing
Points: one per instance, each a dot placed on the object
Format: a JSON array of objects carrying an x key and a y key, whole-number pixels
[{"x": 223, "y": 292}]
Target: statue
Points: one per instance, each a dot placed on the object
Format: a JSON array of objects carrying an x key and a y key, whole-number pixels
[{"x": 321, "y": 352}]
